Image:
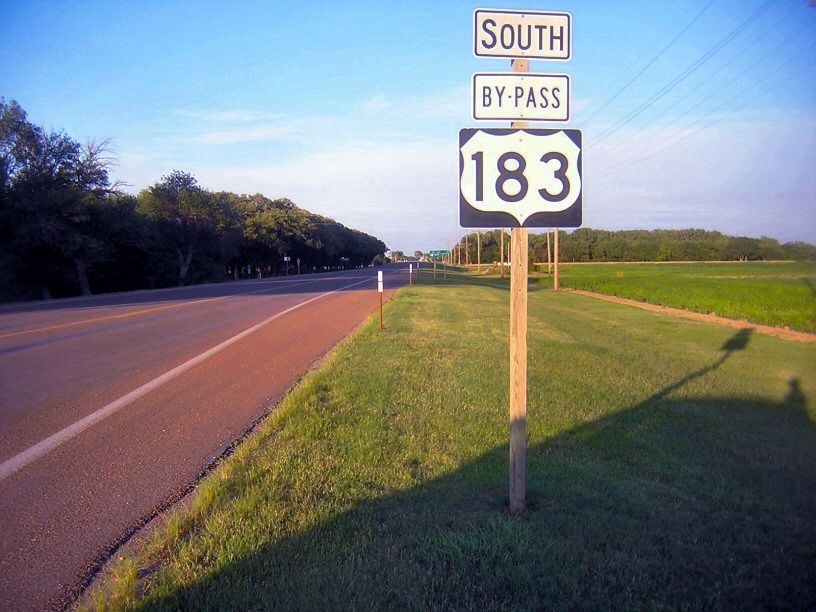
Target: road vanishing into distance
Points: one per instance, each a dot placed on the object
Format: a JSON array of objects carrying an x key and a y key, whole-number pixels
[{"x": 111, "y": 407}]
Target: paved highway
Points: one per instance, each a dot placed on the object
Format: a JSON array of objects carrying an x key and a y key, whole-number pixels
[{"x": 111, "y": 406}]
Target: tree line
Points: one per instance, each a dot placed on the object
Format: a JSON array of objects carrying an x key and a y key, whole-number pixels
[
  {"x": 587, "y": 245},
  {"x": 67, "y": 229}
]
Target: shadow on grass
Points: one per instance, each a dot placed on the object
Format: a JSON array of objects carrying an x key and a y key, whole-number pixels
[{"x": 705, "y": 502}]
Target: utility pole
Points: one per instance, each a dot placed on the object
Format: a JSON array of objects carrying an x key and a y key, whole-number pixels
[
  {"x": 479, "y": 251},
  {"x": 549, "y": 256},
  {"x": 501, "y": 253},
  {"x": 555, "y": 257}
]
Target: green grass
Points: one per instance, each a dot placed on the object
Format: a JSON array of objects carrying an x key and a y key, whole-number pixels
[
  {"x": 780, "y": 294},
  {"x": 672, "y": 464}
]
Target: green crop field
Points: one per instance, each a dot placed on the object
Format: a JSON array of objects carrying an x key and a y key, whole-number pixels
[
  {"x": 781, "y": 294},
  {"x": 670, "y": 465}
]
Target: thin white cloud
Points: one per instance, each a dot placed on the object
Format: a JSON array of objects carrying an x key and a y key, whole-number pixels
[
  {"x": 252, "y": 133},
  {"x": 744, "y": 174},
  {"x": 377, "y": 104},
  {"x": 747, "y": 174},
  {"x": 230, "y": 116},
  {"x": 394, "y": 190}
]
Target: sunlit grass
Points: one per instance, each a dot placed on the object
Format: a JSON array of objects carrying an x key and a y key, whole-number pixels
[{"x": 781, "y": 294}]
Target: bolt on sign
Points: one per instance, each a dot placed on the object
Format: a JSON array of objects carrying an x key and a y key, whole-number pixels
[
  {"x": 503, "y": 96},
  {"x": 522, "y": 34},
  {"x": 518, "y": 177}
]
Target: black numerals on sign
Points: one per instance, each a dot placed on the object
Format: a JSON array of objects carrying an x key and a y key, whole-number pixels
[
  {"x": 479, "y": 159},
  {"x": 511, "y": 175},
  {"x": 517, "y": 174},
  {"x": 560, "y": 174}
]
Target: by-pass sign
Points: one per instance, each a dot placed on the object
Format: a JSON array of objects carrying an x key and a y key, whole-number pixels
[
  {"x": 521, "y": 97},
  {"x": 522, "y": 34}
]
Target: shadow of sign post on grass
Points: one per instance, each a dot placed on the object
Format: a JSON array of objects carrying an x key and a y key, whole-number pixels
[{"x": 686, "y": 502}]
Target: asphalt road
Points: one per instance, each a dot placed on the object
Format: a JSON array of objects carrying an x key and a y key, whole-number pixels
[{"x": 111, "y": 406}]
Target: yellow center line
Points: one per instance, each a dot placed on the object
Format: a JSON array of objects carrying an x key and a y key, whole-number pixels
[
  {"x": 107, "y": 318},
  {"x": 135, "y": 313}
]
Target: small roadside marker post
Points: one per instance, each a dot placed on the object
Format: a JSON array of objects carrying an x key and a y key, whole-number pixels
[
  {"x": 380, "y": 291},
  {"x": 410, "y": 274}
]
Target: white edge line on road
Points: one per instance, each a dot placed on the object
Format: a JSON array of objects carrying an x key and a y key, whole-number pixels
[{"x": 19, "y": 461}]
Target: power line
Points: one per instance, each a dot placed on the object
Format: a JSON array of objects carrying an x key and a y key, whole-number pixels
[
  {"x": 687, "y": 72},
  {"x": 702, "y": 125},
  {"x": 634, "y": 136},
  {"x": 651, "y": 62}
]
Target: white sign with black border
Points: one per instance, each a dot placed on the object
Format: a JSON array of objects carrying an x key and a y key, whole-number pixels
[
  {"x": 520, "y": 177},
  {"x": 522, "y": 34},
  {"x": 510, "y": 96}
]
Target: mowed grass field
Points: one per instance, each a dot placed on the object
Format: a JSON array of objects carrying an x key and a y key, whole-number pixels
[
  {"x": 671, "y": 464},
  {"x": 772, "y": 293}
]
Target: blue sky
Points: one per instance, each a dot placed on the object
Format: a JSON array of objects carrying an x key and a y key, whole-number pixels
[{"x": 352, "y": 109}]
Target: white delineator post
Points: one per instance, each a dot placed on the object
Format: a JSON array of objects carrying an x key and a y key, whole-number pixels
[
  {"x": 518, "y": 351},
  {"x": 380, "y": 291},
  {"x": 410, "y": 274}
]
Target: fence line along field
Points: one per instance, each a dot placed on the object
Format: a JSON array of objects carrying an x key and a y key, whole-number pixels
[{"x": 768, "y": 293}]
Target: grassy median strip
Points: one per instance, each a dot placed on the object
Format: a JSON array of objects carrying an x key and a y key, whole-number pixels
[
  {"x": 671, "y": 464},
  {"x": 768, "y": 293}
]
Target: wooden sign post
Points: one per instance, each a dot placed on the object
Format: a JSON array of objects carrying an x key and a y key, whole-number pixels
[
  {"x": 518, "y": 351},
  {"x": 519, "y": 176}
]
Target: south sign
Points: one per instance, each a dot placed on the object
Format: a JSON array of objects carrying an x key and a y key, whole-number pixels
[{"x": 522, "y": 34}]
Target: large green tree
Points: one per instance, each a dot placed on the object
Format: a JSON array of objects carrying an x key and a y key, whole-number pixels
[
  {"x": 52, "y": 189},
  {"x": 187, "y": 215}
]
